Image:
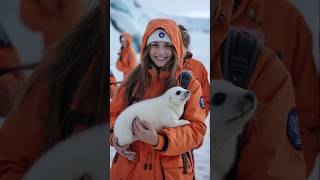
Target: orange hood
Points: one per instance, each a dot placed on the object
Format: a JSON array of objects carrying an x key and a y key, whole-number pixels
[
  {"x": 128, "y": 37},
  {"x": 171, "y": 29}
]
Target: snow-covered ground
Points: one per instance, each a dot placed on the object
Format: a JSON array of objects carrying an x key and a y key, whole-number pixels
[{"x": 132, "y": 17}]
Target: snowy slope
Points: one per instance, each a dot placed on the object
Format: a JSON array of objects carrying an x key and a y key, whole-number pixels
[{"x": 131, "y": 16}]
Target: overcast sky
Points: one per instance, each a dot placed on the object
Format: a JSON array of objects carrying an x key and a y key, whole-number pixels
[{"x": 179, "y": 7}]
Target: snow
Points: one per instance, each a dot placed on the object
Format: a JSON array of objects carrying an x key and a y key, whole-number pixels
[{"x": 132, "y": 16}]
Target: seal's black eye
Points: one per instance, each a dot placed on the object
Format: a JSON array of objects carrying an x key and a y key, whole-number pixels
[
  {"x": 178, "y": 93},
  {"x": 218, "y": 99}
]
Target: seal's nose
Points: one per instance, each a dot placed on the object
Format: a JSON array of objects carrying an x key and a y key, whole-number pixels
[
  {"x": 250, "y": 96},
  {"x": 187, "y": 93}
]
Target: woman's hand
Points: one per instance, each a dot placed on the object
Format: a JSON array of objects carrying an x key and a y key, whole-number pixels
[
  {"x": 144, "y": 132},
  {"x": 123, "y": 150}
]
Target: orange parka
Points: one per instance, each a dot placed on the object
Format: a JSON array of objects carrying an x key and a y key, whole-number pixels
[
  {"x": 172, "y": 158},
  {"x": 288, "y": 35},
  {"x": 269, "y": 152},
  {"x": 127, "y": 57},
  {"x": 200, "y": 73}
]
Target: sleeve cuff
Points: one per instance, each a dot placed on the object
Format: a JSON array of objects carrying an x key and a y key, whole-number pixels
[{"x": 160, "y": 144}]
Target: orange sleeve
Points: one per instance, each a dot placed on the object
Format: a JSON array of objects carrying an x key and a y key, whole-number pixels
[
  {"x": 205, "y": 89},
  {"x": 267, "y": 148},
  {"x": 305, "y": 81},
  {"x": 116, "y": 107},
  {"x": 119, "y": 65},
  {"x": 129, "y": 60},
  {"x": 21, "y": 136},
  {"x": 9, "y": 82},
  {"x": 132, "y": 59},
  {"x": 185, "y": 138}
]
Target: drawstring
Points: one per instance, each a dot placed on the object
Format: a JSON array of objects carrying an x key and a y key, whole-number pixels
[{"x": 146, "y": 165}]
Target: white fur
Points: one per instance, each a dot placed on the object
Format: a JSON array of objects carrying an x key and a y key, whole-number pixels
[
  {"x": 228, "y": 121},
  {"x": 70, "y": 159},
  {"x": 162, "y": 111}
]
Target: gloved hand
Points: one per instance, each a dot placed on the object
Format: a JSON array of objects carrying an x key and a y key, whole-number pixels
[{"x": 144, "y": 132}]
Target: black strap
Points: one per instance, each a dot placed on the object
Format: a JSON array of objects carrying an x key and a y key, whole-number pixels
[
  {"x": 185, "y": 163},
  {"x": 185, "y": 78},
  {"x": 239, "y": 55}
]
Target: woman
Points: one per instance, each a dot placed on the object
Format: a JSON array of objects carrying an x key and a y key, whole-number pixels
[
  {"x": 197, "y": 68},
  {"x": 127, "y": 55},
  {"x": 165, "y": 154},
  {"x": 64, "y": 96}
]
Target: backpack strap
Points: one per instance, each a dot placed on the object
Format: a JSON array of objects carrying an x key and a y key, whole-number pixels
[
  {"x": 185, "y": 78},
  {"x": 239, "y": 56}
]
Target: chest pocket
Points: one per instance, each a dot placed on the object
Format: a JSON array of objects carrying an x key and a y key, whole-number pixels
[{"x": 178, "y": 167}]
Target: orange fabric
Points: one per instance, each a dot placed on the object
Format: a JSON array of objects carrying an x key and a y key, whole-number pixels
[
  {"x": 21, "y": 136},
  {"x": 201, "y": 74},
  {"x": 127, "y": 57},
  {"x": 113, "y": 86},
  {"x": 9, "y": 82},
  {"x": 267, "y": 153},
  {"x": 180, "y": 140},
  {"x": 293, "y": 40}
]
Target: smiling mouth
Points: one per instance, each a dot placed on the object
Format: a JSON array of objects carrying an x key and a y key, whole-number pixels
[{"x": 161, "y": 58}]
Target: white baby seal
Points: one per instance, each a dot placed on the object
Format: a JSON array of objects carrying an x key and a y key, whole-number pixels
[
  {"x": 231, "y": 108},
  {"x": 84, "y": 153},
  {"x": 162, "y": 111}
]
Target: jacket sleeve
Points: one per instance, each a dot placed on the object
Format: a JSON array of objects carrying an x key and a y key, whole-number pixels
[
  {"x": 267, "y": 147},
  {"x": 116, "y": 107},
  {"x": 132, "y": 60},
  {"x": 205, "y": 90},
  {"x": 185, "y": 138},
  {"x": 9, "y": 82},
  {"x": 305, "y": 81},
  {"x": 120, "y": 66},
  {"x": 21, "y": 136}
]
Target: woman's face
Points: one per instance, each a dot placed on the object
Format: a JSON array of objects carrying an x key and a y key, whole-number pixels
[
  {"x": 160, "y": 53},
  {"x": 124, "y": 42}
]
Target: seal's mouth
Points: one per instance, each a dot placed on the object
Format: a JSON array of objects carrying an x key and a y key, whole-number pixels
[
  {"x": 185, "y": 96},
  {"x": 242, "y": 113}
]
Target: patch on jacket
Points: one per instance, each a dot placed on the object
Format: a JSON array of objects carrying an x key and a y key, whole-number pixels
[
  {"x": 293, "y": 130},
  {"x": 201, "y": 102}
]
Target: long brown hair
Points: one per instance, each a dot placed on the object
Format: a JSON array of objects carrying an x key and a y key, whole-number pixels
[
  {"x": 72, "y": 57},
  {"x": 138, "y": 80}
]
